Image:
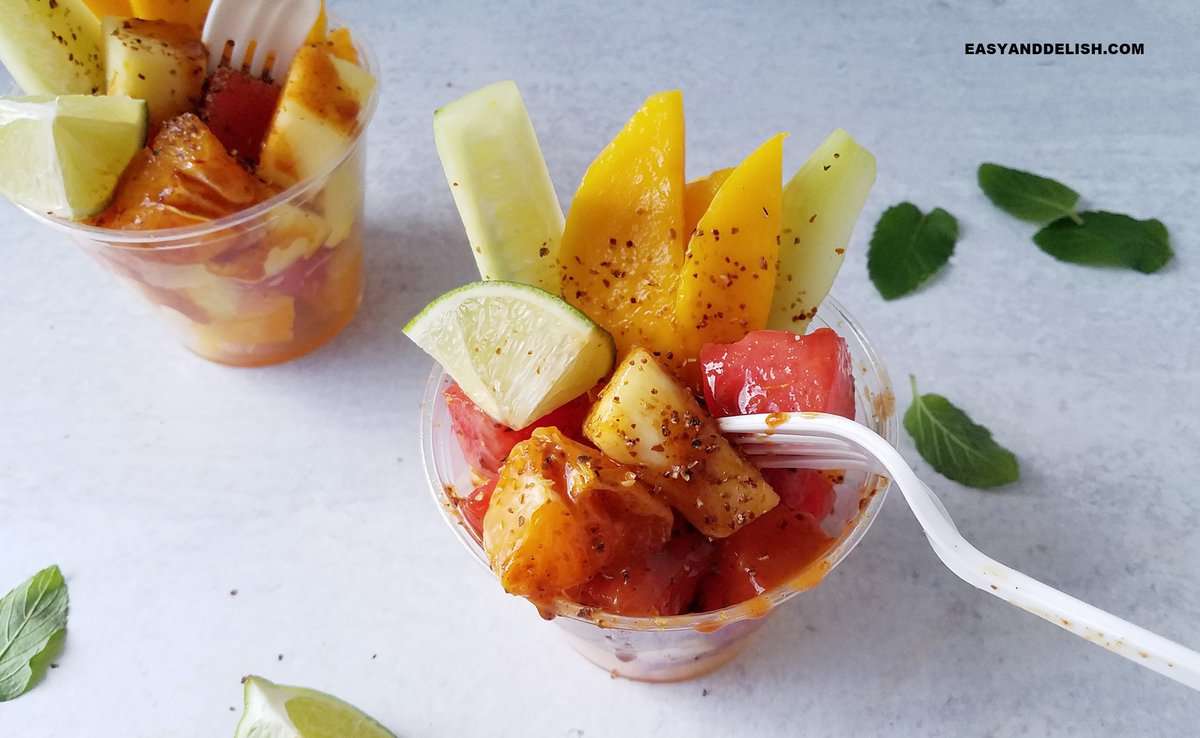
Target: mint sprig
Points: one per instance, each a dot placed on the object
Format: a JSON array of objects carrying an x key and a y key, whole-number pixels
[
  {"x": 1026, "y": 195},
  {"x": 1107, "y": 239},
  {"x": 908, "y": 247},
  {"x": 1093, "y": 238},
  {"x": 955, "y": 446},
  {"x": 33, "y": 622}
]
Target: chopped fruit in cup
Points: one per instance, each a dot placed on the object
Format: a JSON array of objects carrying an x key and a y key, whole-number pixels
[
  {"x": 663, "y": 582},
  {"x": 779, "y": 372},
  {"x": 778, "y": 548},
  {"x": 683, "y": 277},
  {"x": 561, "y": 512},
  {"x": 159, "y": 62},
  {"x": 238, "y": 108},
  {"x": 645, "y": 418},
  {"x": 803, "y": 490},
  {"x": 474, "y": 506},
  {"x": 486, "y": 443},
  {"x": 201, "y": 221},
  {"x": 184, "y": 177}
]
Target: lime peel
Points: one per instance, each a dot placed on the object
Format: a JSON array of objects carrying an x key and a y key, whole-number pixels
[
  {"x": 281, "y": 711},
  {"x": 517, "y": 351}
]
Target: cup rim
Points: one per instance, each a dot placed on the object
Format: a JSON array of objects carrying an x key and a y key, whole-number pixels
[
  {"x": 122, "y": 239},
  {"x": 887, "y": 426}
]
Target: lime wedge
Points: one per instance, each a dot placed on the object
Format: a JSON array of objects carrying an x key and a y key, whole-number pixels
[
  {"x": 518, "y": 352},
  {"x": 501, "y": 185},
  {"x": 278, "y": 711},
  {"x": 64, "y": 155}
]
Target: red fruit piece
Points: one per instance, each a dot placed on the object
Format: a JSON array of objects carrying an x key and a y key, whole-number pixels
[
  {"x": 475, "y": 505},
  {"x": 486, "y": 443},
  {"x": 803, "y": 490},
  {"x": 238, "y": 108},
  {"x": 779, "y": 372},
  {"x": 662, "y": 583},
  {"x": 769, "y": 552}
]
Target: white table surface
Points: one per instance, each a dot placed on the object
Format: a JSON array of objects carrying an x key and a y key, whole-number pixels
[{"x": 160, "y": 482}]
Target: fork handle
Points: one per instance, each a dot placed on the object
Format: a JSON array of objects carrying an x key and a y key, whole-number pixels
[{"x": 1104, "y": 629}]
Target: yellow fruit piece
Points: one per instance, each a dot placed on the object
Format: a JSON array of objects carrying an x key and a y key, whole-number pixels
[
  {"x": 646, "y": 419},
  {"x": 317, "y": 34},
  {"x": 341, "y": 45},
  {"x": 561, "y": 512},
  {"x": 103, "y": 8},
  {"x": 269, "y": 322},
  {"x": 188, "y": 12},
  {"x": 318, "y": 116},
  {"x": 159, "y": 62},
  {"x": 699, "y": 194},
  {"x": 623, "y": 242},
  {"x": 728, "y": 275}
]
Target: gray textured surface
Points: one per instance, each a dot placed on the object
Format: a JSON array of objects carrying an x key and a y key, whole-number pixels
[{"x": 160, "y": 482}]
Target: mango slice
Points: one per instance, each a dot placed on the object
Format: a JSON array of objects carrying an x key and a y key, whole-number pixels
[
  {"x": 699, "y": 194},
  {"x": 728, "y": 275},
  {"x": 623, "y": 242},
  {"x": 188, "y": 12}
]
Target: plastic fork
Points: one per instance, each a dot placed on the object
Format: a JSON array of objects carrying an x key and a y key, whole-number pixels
[
  {"x": 821, "y": 441},
  {"x": 258, "y": 36}
]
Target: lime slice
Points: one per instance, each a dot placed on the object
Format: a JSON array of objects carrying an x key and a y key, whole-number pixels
[
  {"x": 64, "y": 155},
  {"x": 501, "y": 185},
  {"x": 518, "y": 352},
  {"x": 279, "y": 711}
]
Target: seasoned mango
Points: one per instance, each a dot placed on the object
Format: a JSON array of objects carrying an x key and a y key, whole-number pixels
[
  {"x": 623, "y": 242},
  {"x": 728, "y": 275},
  {"x": 646, "y": 419},
  {"x": 561, "y": 512},
  {"x": 188, "y": 12},
  {"x": 699, "y": 194}
]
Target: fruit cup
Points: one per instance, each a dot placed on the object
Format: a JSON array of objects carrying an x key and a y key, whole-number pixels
[
  {"x": 264, "y": 285},
  {"x": 660, "y": 649}
]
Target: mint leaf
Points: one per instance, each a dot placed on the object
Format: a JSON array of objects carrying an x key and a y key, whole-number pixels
[
  {"x": 907, "y": 248},
  {"x": 954, "y": 445},
  {"x": 1027, "y": 195},
  {"x": 33, "y": 622},
  {"x": 1107, "y": 239}
]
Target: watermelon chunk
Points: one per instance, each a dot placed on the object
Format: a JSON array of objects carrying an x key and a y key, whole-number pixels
[
  {"x": 778, "y": 372},
  {"x": 238, "y": 109}
]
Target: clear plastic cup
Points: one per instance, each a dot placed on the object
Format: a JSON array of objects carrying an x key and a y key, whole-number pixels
[
  {"x": 261, "y": 286},
  {"x": 661, "y": 649}
]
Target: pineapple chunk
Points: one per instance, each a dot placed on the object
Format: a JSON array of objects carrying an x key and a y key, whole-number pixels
[
  {"x": 321, "y": 107},
  {"x": 161, "y": 63},
  {"x": 561, "y": 512},
  {"x": 188, "y": 12},
  {"x": 646, "y": 419},
  {"x": 318, "y": 116}
]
